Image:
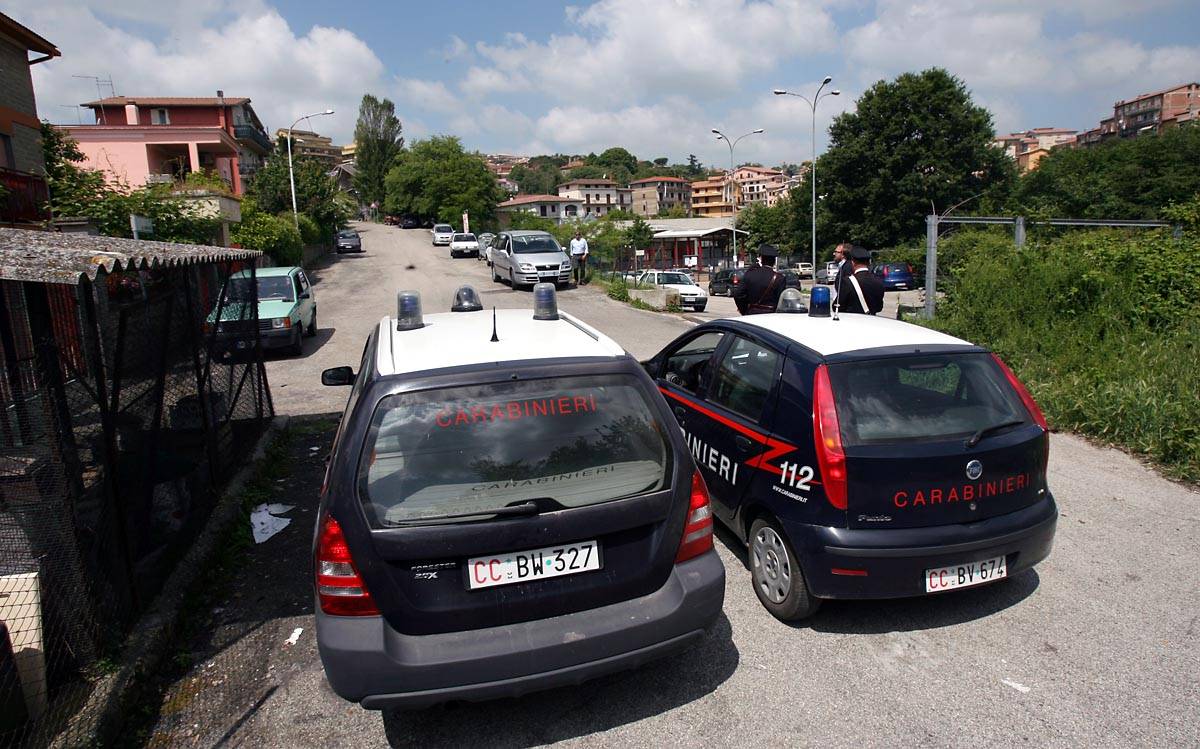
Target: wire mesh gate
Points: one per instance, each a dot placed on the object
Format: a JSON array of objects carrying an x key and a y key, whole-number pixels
[{"x": 126, "y": 403}]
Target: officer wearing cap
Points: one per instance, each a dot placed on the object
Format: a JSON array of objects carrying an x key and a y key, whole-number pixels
[
  {"x": 860, "y": 291},
  {"x": 759, "y": 291}
]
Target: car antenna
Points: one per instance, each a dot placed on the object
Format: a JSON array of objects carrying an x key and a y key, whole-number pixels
[{"x": 495, "y": 338}]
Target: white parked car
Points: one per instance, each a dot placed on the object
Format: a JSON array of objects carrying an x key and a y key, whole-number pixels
[
  {"x": 464, "y": 244},
  {"x": 442, "y": 234},
  {"x": 690, "y": 295},
  {"x": 804, "y": 269}
]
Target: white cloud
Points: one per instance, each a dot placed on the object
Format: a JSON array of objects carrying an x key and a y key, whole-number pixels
[
  {"x": 623, "y": 50},
  {"x": 253, "y": 53},
  {"x": 432, "y": 96}
]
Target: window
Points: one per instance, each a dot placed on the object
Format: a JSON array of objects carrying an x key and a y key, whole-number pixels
[
  {"x": 565, "y": 442},
  {"x": 159, "y": 117},
  {"x": 7, "y": 159},
  {"x": 543, "y": 208},
  {"x": 296, "y": 285},
  {"x": 745, "y": 378},
  {"x": 687, "y": 366},
  {"x": 932, "y": 397},
  {"x": 303, "y": 281}
]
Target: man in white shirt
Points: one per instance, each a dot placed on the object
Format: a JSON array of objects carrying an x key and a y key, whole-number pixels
[{"x": 579, "y": 254}]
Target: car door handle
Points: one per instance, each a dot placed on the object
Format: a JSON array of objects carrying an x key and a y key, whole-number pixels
[
  {"x": 680, "y": 412},
  {"x": 743, "y": 443}
]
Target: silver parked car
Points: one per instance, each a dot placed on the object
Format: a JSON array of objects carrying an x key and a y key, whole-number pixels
[
  {"x": 442, "y": 234},
  {"x": 529, "y": 257},
  {"x": 485, "y": 243}
]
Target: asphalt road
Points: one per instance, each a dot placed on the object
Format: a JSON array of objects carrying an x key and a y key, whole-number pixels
[{"x": 1097, "y": 647}]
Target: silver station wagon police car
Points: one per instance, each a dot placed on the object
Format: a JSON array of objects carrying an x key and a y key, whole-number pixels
[
  {"x": 861, "y": 457},
  {"x": 514, "y": 512}
]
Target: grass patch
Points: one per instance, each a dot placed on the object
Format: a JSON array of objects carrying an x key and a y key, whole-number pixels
[{"x": 1103, "y": 327}]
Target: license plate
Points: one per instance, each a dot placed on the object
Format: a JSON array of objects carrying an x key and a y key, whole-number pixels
[
  {"x": 965, "y": 575},
  {"x": 549, "y": 275},
  {"x": 537, "y": 564}
]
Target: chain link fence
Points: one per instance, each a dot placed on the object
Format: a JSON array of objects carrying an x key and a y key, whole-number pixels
[{"x": 125, "y": 404}]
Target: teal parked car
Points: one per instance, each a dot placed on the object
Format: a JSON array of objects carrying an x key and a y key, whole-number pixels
[{"x": 287, "y": 312}]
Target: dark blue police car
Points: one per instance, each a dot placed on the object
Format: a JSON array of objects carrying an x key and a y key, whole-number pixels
[
  {"x": 861, "y": 457},
  {"x": 510, "y": 513}
]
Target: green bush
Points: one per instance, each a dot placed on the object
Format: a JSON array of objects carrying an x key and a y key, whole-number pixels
[
  {"x": 1103, "y": 327},
  {"x": 310, "y": 232},
  {"x": 270, "y": 234}
]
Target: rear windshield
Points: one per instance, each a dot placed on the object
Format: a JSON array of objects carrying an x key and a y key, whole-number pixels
[
  {"x": 576, "y": 441},
  {"x": 926, "y": 398},
  {"x": 463, "y": 238}
]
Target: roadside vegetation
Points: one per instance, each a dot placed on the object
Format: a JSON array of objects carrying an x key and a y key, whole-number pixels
[{"x": 1102, "y": 326}]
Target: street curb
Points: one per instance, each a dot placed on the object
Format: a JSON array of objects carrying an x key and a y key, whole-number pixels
[{"x": 99, "y": 720}]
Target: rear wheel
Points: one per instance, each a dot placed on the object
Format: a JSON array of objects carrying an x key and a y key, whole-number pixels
[
  {"x": 312, "y": 325},
  {"x": 776, "y": 574}
]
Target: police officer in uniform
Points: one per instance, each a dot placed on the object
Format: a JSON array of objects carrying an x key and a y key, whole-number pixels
[
  {"x": 860, "y": 291},
  {"x": 759, "y": 291}
]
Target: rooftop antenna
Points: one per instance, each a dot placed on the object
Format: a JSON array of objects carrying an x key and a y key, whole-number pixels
[
  {"x": 495, "y": 338},
  {"x": 99, "y": 93}
]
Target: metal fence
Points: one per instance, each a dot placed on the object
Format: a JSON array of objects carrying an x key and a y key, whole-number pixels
[{"x": 122, "y": 415}]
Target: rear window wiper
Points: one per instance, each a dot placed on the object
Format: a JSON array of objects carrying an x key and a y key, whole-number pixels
[
  {"x": 973, "y": 440},
  {"x": 528, "y": 507}
]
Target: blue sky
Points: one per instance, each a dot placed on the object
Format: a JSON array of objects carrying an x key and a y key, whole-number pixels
[{"x": 653, "y": 75}]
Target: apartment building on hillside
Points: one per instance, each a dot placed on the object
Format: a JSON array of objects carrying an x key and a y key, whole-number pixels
[
  {"x": 757, "y": 182},
  {"x": 713, "y": 198},
  {"x": 596, "y": 196},
  {"x": 654, "y": 195},
  {"x": 1148, "y": 114},
  {"x": 313, "y": 145}
]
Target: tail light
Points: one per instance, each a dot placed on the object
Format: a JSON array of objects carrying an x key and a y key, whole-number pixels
[
  {"x": 1031, "y": 406},
  {"x": 827, "y": 435},
  {"x": 339, "y": 586},
  {"x": 885, "y": 271},
  {"x": 698, "y": 529},
  {"x": 910, "y": 270}
]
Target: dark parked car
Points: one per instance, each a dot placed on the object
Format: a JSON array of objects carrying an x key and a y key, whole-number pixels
[
  {"x": 861, "y": 457},
  {"x": 895, "y": 276},
  {"x": 408, "y": 222},
  {"x": 348, "y": 241},
  {"x": 722, "y": 284},
  {"x": 505, "y": 516}
]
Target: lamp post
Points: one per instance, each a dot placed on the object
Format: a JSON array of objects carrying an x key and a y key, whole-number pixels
[
  {"x": 733, "y": 193},
  {"x": 812, "y": 168},
  {"x": 291, "y": 173}
]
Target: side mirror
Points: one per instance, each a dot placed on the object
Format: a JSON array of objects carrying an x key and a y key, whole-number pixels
[
  {"x": 338, "y": 376},
  {"x": 306, "y": 295}
]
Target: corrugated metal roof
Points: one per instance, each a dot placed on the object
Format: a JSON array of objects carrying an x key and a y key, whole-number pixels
[{"x": 56, "y": 257}]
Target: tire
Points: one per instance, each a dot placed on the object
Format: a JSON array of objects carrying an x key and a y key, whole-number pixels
[
  {"x": 495, "y": 276},
  {"x": 701, "y": 308},
  {"x": 312, "y": 326},
  {"x": 512, "y": 280},
  {"x": 297, "y": 347},
  {"x": 776, "y": 575}
]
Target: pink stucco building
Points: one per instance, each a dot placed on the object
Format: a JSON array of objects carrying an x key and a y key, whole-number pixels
[{"x": 143, "y": 140}]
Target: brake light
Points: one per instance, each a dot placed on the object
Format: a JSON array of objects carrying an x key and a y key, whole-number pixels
[
  {"x": 698, "y": 528},
  {"x": 1026, "y": 398},
  {"x": 909, "y": 268},
  {"x": 339, "y": 586},
  {"x": 1032, "y": 407},
  {"x": 885, "y": 271},
  {"x": 827, "y": 435}
]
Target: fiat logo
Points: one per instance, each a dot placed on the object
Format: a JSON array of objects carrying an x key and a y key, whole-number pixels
[{"x": 974, "y": 469}]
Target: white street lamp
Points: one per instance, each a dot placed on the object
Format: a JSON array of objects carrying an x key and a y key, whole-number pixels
[
  {"x": 291, "y": 173},
  {"x": 733, "y": 192},
  {"x": 812, "y": 169}
]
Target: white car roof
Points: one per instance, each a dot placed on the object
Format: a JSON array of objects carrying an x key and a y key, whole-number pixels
[
  {"x": 455, "y": 339},
  {"x": 850, "y": 332}
]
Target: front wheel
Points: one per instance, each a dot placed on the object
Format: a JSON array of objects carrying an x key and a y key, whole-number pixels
[
  {"x": 776, "y": 574},
  {"x": 701, "y": 308},
  {"x": 297, "y": 347}
]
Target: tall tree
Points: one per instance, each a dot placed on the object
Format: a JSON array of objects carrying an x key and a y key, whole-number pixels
[
  {"x": 436, "y": 179},
  {"x": 912, "y": 145},
  {"x": 377, "y": 141},
  {"x": 316, "y": 191}
]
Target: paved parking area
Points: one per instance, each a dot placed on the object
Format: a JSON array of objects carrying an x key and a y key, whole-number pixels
[{"x": 1097, "y": 647}]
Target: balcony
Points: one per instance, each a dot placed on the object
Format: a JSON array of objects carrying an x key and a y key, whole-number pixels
[
  {"x": 252, "y": 136},
  {"x": 24, "y": 198}
]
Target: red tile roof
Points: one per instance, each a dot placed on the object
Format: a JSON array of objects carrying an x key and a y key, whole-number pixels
[
  {"x": 526, "y": 199},
  {"x": 168, "y": 101},
  {"x": 657, "y": 179}
]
